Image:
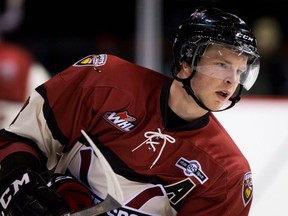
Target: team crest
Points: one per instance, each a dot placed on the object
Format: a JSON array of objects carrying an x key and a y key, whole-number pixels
[
  {"x": 247, "y": 191},
  {"x": 92, "y": 60}
]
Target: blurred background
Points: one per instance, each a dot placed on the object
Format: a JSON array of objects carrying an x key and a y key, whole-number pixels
[
  {"x": 59, "y": 33},
  {"x": 52, "y": 35}
]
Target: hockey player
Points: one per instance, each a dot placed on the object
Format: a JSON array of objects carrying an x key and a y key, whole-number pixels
[{"x": 170, "y": 154}]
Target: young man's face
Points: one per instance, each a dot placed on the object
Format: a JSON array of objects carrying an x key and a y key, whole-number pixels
[{"x": 217, "y": 75}]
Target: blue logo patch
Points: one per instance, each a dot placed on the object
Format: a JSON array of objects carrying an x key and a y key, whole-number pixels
[{"x": 192, "y": 168}]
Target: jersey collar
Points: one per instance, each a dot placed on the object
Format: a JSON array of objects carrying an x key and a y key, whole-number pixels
[{"x": 172, "y": 121}]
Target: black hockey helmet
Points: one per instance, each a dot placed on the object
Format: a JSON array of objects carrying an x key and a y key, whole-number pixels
[{"x": 210, "y": 25}]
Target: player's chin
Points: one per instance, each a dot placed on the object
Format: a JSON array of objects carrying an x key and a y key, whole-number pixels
[{"x": 218, "y": 105}]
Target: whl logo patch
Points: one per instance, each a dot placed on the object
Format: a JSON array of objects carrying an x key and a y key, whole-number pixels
[{"x": 120, "y": 120}]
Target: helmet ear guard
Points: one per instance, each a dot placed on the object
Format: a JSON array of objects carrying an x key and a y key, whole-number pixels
[
  {"x": 185, "y": 52},
  {"x": 185, "y": 55}
]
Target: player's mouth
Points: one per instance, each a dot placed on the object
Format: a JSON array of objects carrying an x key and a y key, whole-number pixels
[{"x": 223, "y": 94}]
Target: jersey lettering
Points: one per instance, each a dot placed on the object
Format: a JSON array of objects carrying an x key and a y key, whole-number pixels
[
  {"x": 125, "y": 212},
  {"x": 179, "y": 190}
]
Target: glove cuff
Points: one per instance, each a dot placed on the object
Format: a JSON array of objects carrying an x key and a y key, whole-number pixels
[{"x": 76, "y": 195}]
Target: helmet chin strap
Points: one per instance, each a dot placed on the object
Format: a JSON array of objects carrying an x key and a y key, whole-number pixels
[{"x": 188, "y": 89}]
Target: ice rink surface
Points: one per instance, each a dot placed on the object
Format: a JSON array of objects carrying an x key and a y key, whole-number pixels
[{"x": 260, "y": 128}]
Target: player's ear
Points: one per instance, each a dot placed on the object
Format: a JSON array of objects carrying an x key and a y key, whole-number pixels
[{"x": 185, "y": 70}]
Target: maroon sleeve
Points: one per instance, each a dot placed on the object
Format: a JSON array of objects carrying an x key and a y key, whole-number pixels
[{"x": 228, "y": 198}]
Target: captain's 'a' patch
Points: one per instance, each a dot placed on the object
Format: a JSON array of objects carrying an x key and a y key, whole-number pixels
[
  {"x": 92, "y": 60},
  {"x": 247, "y": 190}
]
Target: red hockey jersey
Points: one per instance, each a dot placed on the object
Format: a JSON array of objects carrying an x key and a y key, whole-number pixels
[{"x": 165, "y": 166}]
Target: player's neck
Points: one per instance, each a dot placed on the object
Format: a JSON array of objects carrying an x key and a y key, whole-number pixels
[{"x": 183, "y": 104}]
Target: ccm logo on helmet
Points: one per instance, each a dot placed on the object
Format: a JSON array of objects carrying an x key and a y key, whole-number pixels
[
  {"x": 245, "y": 37},
  {"x": 11, "y": 190}
]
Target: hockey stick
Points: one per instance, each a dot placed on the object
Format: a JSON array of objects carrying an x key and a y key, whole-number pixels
[{"x": 114, "y": 198}]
